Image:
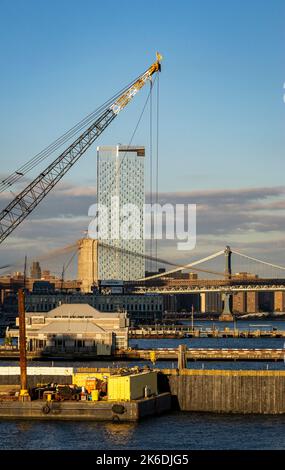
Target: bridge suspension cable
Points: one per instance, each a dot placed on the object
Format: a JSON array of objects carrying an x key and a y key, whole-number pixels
[
  {"x": 73, "y": 250},
  {"x": 259, "y": 260},
  {"x": 51, "y": 254},
  {"x": 154, "y": 258},
  {"x": 186, "y": 266}
]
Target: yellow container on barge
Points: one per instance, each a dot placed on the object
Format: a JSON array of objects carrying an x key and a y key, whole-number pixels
[
  {"x": 121, "y": 386},
  {"x": 129, "y": 387}
]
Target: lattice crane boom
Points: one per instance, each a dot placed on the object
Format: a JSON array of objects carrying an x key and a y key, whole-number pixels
[{"x": 28, "y": 199}]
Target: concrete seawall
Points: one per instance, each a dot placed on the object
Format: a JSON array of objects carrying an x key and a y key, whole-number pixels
[{"x": 222, "y": 391}]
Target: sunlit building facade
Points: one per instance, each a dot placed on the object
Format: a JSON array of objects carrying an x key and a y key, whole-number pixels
[{"x": 120, "y": 182}]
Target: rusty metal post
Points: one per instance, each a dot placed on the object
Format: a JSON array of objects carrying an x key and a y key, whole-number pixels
[{"x": 22, "y": 339}]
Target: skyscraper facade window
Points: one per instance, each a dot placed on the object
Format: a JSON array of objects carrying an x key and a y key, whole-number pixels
[{"x": 120, "y": 177}]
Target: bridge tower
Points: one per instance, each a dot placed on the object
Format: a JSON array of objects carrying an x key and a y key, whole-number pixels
[
  {"x": 228, "y": 262},
  {"x": 226, "y": 314}
]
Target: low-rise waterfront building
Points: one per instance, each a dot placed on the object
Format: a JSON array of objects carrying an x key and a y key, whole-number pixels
[
  {"x": 75, "y": 328},
  {"x": 141, "y": 308}
]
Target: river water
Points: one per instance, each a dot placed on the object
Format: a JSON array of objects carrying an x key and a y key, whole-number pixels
[{"x": 177, "y": 430}]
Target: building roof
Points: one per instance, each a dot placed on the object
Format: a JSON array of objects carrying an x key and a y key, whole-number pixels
[
  {"x": 71, "y": 327},
  {"x": 75, "y": 310},
  {"x": 139, "y": 149}
]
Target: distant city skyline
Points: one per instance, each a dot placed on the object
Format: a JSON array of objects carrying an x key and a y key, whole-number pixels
[{"x": 221, "y": 111}]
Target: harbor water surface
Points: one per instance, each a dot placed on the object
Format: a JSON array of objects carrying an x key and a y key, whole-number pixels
[{"x": 171, "y": 431}]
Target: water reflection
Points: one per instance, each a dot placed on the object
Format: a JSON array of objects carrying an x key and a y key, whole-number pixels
[
  {"x": 24, "y": 426},
  {"x": 119, "y": 433}
]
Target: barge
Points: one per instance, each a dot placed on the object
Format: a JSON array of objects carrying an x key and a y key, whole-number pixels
[
  {"x": 97, "y": 394},
  {"x": 116, "y": 411}
]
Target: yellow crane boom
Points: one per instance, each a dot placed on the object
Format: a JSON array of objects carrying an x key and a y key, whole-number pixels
[{"x": 28, "y": 199}]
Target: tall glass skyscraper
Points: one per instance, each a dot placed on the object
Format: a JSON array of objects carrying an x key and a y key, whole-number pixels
[{"x": 120, "y": 182}]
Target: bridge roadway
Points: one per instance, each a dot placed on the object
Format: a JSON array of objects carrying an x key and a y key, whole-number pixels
[
  {"x": 190, "y": 286},
  {"x": 199, "y": 289},
  {"x": 203, "y": 354}
]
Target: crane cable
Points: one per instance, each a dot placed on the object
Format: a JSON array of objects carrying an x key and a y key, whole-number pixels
[
  {"x": 90, "y": 117},
  {"x": 131, "y": 140},
  {"x": 46, "y": 152},
  {"x": 150, "y": 166},
  {"x": 157, "y": 166},
  {"x": 118, "y": 169}
]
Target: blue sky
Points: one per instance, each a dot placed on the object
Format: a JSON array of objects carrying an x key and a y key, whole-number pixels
[{"x": 221, "y": 87}]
